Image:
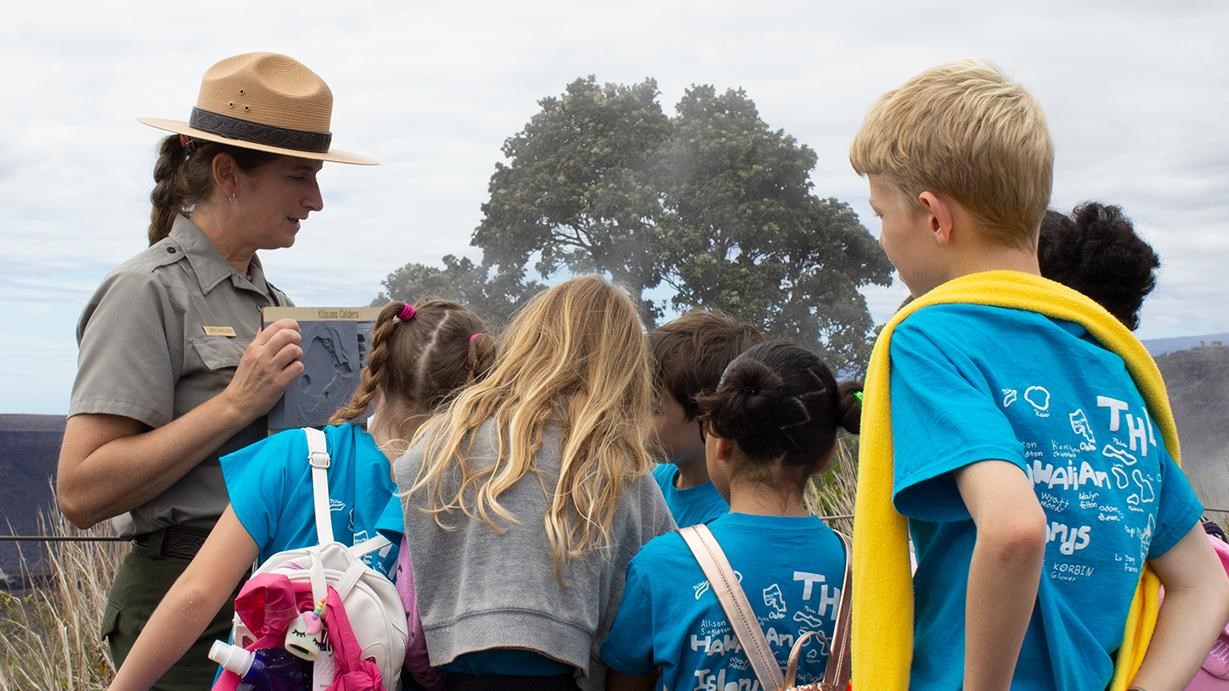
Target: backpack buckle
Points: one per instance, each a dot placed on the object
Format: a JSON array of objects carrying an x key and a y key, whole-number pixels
[{"x": 318, "y": 459}]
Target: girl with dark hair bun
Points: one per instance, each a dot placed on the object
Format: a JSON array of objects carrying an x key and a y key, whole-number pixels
[{"x": 771, "y": 424}]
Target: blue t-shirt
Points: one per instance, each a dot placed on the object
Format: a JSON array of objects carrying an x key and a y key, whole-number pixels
[
  {"x": 699, "y": 504},
  {"x": 669, "y": 617},
  {"x": 270, "y": 486},
  {"x": 973, "y": 383}
]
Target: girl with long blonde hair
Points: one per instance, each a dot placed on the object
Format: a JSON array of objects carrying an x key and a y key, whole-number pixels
[{"x": 526, "y": 498}]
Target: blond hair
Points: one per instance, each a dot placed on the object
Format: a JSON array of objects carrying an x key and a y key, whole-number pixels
[
  {"x": 966, "y": 130},
  {"x": 575, "y": 356}
]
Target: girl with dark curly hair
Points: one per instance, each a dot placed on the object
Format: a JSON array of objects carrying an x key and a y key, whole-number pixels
[{"x": 1096, "y": 251}]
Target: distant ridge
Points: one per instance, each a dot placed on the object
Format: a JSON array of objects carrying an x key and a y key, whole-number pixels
[
  {"x": 1198, "y": 384},
  {"x": 1164, "y": 346},
  {"x": 29, "y": 450}
]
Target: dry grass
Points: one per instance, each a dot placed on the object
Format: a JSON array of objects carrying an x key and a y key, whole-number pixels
[
  {"x": 49, "y": 635},
  {"x": 832, "y": 493}
]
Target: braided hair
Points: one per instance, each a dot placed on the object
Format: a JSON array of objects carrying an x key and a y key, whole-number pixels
[
  {"x": 421, "y": 361},
  {"x": 183, "y": 177},
  {"x": 779, "y": 401}
]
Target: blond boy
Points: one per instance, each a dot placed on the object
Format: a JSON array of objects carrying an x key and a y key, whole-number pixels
[{"x": 1024, "y": 455}]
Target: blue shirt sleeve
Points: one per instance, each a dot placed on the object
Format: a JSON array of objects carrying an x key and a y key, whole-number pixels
[
  {"x": 390, "y": 523},
  {"x": 944, "y": 417},
  {"x": 663, "y": 474},
  {"x": 257, "y": 479},
  {"x": 1177, "y": 511},
  {"x": 629, "y": 645}
]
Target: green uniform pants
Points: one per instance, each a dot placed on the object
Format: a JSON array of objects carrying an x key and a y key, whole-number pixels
[{"x": 143, "y": 579}]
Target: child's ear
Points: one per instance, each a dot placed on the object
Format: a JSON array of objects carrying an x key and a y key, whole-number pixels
[
  {"x": 939, "y": 213},
  {"x": 723, "y": 448}
]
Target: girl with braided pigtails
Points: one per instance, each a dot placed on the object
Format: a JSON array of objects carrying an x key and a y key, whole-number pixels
[
  {"x": 770, "y": 426},
  {"x": 421, "y": 355}
]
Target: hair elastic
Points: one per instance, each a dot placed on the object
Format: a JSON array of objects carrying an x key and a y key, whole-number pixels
[
  {"x": 407, "y": 312},
  {"x": 473, "y": 337}
]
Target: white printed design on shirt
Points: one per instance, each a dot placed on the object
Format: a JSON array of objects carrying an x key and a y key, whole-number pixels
[
  {"x": 702, "y": 587},
  {"x": 716, "y": 638},
  {"x": 1039, "y": 398},
  {"x": 1010, "y": 396},
  {"x": 710, "y": 680},
  {"x": 1079, "y": 425},
  {"x": 1092, "y": 481},
  {"x": 776, "y": 600}
]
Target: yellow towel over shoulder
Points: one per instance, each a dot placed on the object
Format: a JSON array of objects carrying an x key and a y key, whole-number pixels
[{"x": 882, "y": 584}]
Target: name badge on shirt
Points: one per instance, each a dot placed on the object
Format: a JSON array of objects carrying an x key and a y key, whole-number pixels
[{"x": 219, "y": 331}]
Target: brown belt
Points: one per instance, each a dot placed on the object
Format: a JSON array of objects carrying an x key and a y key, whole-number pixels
[{"x": 174, "y": 541}]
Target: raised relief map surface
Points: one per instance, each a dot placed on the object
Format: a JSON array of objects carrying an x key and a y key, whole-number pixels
[{"x": 334, "y": 351}]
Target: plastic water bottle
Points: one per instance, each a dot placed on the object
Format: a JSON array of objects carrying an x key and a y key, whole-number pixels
[{"x": 267, "y": 669}]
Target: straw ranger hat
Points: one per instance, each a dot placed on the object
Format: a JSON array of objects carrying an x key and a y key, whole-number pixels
[{"x": 267, "y": 102}]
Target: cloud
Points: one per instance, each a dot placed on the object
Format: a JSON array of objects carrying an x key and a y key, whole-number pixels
[{"x": 1132, "y": 92}]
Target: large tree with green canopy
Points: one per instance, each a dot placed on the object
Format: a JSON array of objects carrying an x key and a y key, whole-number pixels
[{"x": 708, "y": 208}]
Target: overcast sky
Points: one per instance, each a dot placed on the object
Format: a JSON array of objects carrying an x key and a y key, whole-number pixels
[{"x": 1136, "y": 95}]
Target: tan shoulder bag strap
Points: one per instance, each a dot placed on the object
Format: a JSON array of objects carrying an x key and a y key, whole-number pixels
[
  {"x": 837, "y": 671},
  {"x": 738, "y": 611}
]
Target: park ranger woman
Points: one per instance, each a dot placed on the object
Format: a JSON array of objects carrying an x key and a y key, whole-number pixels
[{"x": 174, "y": 368}]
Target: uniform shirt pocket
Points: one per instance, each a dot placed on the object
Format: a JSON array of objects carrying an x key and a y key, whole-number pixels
[{"x": 220, "y": 352}]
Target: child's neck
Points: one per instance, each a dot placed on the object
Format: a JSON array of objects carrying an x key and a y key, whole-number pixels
[
  {"x": 761, "y": 499},
  {"x": 691, "y": 474},
  {"x": 988, "y": 256},
  {"x": 393, "y": 428}
]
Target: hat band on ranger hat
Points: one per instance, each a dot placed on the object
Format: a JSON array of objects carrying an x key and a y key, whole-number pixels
[{"x": 257, "y": 133}]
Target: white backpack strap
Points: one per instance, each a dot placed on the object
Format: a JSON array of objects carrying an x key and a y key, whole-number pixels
[
  {"x": 366, "y": 547},
  {"x": 318, "y": 457},
  {"x": 350, "y": 578},
  {"x": 317, "y": 578},
  {"x": 738, "y": 610}
]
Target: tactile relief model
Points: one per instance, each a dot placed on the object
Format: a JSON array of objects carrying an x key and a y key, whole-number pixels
[{"x": 334, "y": 350}]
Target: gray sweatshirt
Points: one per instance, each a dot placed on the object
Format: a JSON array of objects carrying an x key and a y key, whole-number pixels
[{"x": 478, "y": 589}]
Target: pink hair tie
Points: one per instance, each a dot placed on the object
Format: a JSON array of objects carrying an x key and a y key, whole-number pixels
[
  {"x": 407, "y": 312},
  {"x": 474, "y": 337}
]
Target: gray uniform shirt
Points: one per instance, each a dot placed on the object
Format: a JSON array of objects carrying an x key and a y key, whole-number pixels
[
  {"x": 478, "y": 589},
  {"x": 147, "y": 353}
]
